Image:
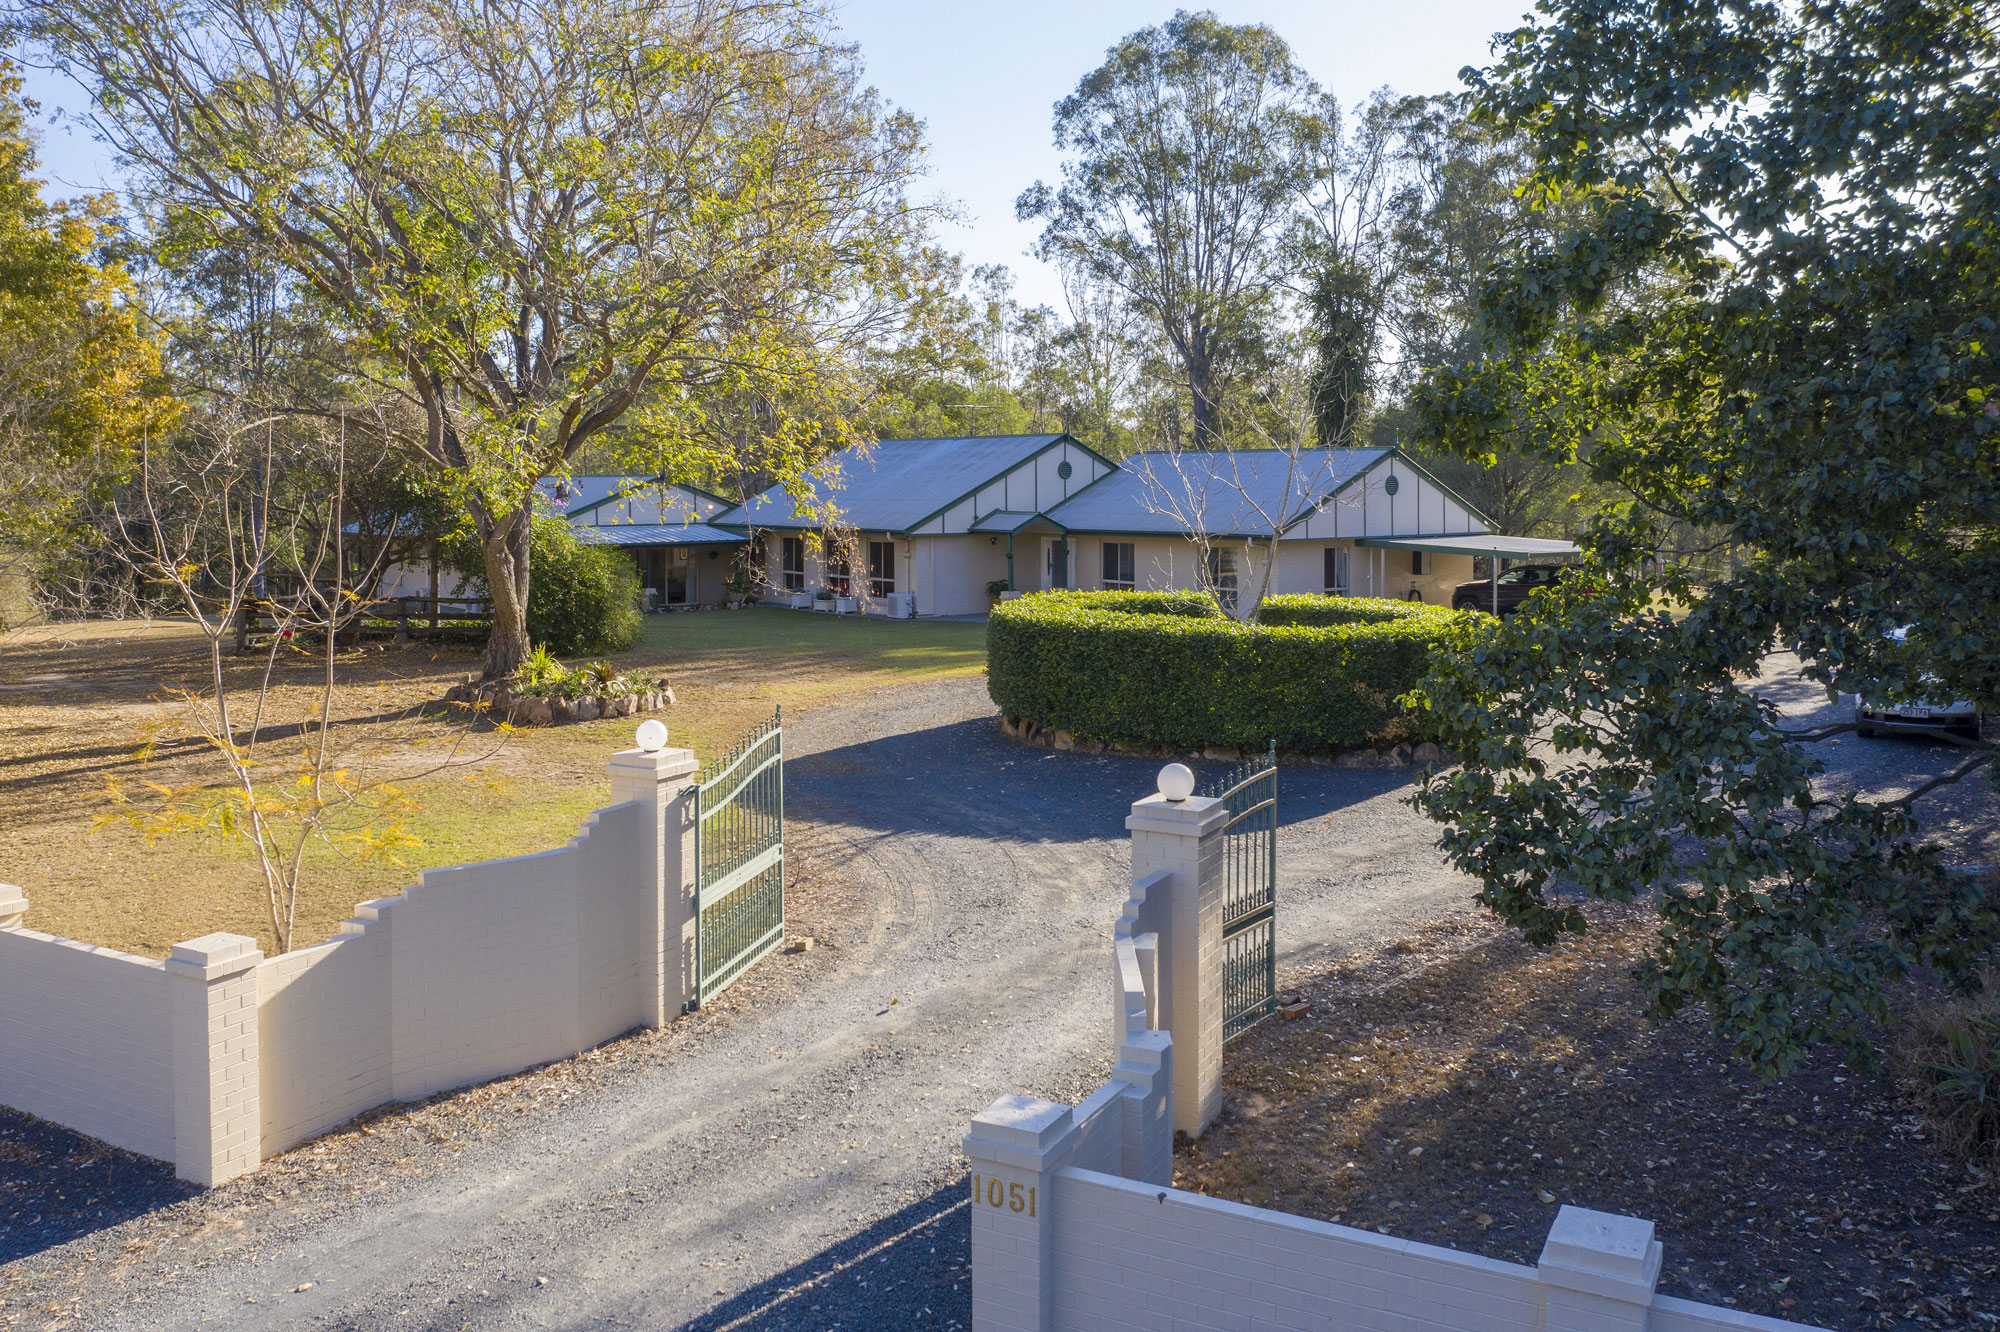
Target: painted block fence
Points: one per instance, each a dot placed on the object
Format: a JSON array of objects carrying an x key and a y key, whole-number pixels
[
  {"x": 1076, "y": 1224},
  {"x": 219, "y": 1057}
]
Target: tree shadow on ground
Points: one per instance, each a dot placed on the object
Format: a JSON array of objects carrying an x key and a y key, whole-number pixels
[
  {"x": 56, "y": 1185},
  {"x": 967, "y": 779},
  {"x": 909, "y": 1270},
  {"x": 1463, "y": 1086}
]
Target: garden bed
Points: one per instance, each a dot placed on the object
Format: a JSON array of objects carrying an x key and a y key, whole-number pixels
[{"x": 1459, "y": 1088}]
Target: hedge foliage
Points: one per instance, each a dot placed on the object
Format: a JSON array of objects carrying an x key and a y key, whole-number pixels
[{"x": 1153, "y": 668}]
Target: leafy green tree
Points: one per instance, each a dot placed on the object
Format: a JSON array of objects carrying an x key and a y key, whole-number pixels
[
  {"x": 1193, "y": 145},
  {"x": 1458, "y": 214},
  {"x": 79, "y": 379},
  {"x": 1773, "y": 320},
  {"x": 549, "y": 221}
]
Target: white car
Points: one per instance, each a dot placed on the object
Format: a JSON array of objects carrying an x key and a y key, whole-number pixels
[{"x": 1921, "y": 715}]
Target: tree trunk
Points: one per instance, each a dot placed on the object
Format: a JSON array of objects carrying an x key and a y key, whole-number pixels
[
  {"x": 1206, "y": 411},
  {"x": 505, "y": 548}
]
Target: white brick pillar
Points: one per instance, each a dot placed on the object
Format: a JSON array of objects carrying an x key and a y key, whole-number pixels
[
  {"x": 212, "y": 988},
  {"x": 1183, "y": 838},
  {"x": 1145, "y": 1107},
  {"x": 13, "y": 906},
  {"x": 664, "y": 781},
  {"x": 1599, "y": 1270},
  {"x": 1013, "y": 1152}
]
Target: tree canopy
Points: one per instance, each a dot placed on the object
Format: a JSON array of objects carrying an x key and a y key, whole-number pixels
[
  {"x": 551, "y": 222},
  {"x": 1772, "y": 321},
  {"x": 79, "y": 380}
]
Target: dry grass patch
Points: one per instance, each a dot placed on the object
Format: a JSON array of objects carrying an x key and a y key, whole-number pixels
[
  {"x": 78, "y": 701},
  {"x": 1458, "y": 1088}
]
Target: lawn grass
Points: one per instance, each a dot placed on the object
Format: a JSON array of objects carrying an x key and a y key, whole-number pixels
[{"x": 78, "y": 701}]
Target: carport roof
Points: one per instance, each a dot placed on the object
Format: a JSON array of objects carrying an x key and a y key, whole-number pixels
[{"x": 1484, "y": 543}]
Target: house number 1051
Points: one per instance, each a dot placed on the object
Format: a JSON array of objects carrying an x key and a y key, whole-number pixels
[{"x": 1006, "y": 1197}]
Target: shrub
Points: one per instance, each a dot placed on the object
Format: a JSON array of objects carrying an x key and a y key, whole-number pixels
[
  {"x": 1169, "y": 668},
  {"x": 580, "y": 598},
  {"x": 1951, "y": 1051}
]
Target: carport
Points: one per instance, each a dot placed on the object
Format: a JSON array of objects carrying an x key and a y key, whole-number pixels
[{"x": 1499, "y": 547}]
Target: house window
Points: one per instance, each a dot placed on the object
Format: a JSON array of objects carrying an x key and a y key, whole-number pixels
[
  {"x": 792, "y": 557},
  {"x": 1222, "y": 576},
  {"x": 881, "y": 568},
  {"x": 1336, "y": 571},
  {"x": 837, "y": 579},
  {"x": 1118, "y": 566},
  {"x": 1420, "y": 562}
]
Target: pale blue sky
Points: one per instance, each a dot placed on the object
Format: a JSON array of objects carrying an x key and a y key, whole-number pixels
[{"x": 985, "y": 77}]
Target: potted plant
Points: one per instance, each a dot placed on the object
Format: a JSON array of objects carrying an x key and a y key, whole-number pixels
[
  {"x": 995, "y": 588},
  {"x": 823, "y": 600}
]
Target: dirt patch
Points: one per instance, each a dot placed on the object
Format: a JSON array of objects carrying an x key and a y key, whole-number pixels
[{"x": 1458, "y": 1088}]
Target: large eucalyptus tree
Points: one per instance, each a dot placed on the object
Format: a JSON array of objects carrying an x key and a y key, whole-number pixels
[{"x": 551, "y": 220}]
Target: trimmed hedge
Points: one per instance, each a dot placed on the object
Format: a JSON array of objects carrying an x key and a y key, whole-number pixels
[{"x": 1171, "y": 669}]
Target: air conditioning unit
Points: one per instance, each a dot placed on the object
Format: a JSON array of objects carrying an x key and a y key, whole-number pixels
[{"x": 902, "y": 605}]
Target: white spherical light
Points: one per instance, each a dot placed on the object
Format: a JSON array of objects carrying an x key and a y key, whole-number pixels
[
  {"x": 652, "y": 735},
  {"x": 1176, "y": 782}
]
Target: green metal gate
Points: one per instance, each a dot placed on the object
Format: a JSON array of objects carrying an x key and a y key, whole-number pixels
[
  {"x": 1249, "y": 893},
  {"x": 739, "y": 858}
]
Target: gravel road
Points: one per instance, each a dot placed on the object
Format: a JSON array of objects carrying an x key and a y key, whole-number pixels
[
  {"x": 790, "y": 1161},
  {"x": 789, "y": 1158}
]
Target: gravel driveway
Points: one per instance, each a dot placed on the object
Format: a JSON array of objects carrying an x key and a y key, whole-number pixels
[{"x": 789, "y": 1157}]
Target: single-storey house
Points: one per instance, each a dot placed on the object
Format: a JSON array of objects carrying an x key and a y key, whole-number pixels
[
  {"x": 681, "y": 557},
  {"x": 936, "y": 521},
  {"x": 684, "y": 559}
]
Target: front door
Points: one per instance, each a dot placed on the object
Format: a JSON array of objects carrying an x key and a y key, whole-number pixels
[
  {"x": 677, "y": 578},
  {"x": 1058, "y": 562}
]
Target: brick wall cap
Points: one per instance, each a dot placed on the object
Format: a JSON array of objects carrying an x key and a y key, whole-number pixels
[
  {"x": 214, "y": 956},
  {"x": 1197, "y": 816},
  {"x": 1025, "y": 1122},
  {"x": 660, "y": 765},
  {"x": 1601, "y": 1253}
]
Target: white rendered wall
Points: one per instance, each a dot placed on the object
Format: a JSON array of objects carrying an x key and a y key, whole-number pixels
[
  {"x": 85, "y": 1040},
  {"x": 220, "y": 1057},
  {"x": 323, "y": 1020},
  {"x": 951, "y": 572},
  {"x": 1128, "y": 1257}
]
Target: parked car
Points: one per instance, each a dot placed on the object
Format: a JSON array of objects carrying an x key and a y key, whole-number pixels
[
  {"x": 1961, "y": 718},
  {"x": 1516, "y": 585}
]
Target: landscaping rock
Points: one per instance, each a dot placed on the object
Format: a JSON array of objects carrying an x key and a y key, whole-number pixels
[
  {"x": 1356, "y": 758},
  {"x": 1429, "y": 752},
  {"x": 561, "y": 710},
  {"x": 667, "y": 698},
  {"x": 1221, "y": 754},
  {"x": 586, "y": 709},
  {"x": 1065, "y": 741},
  {"x": 1400, "y": 754}
]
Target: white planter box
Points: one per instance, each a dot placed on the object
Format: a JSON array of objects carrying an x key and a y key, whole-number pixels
[
  {"x": 846, "y": 605},
  {"x": 800, "y": 601},
  {"x": 825, "y": 606}
]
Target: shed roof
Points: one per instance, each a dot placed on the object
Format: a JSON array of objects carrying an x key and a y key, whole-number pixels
[
  {"x": 1153, "y": 492},
  {"x": 898, "y": 483}
]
